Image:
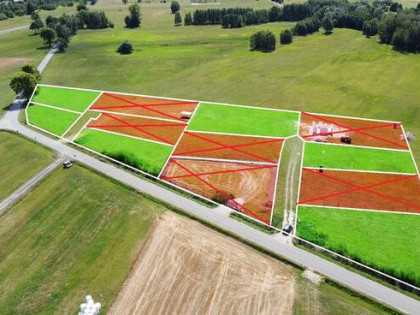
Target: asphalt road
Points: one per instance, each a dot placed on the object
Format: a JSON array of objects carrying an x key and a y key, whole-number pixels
[{"x": 220, "y": 217}]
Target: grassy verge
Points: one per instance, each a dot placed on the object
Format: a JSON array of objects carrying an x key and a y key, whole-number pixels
[
  {"x": 77, "y": 233},
  {"x": 343, "y": 157},
  {"x": 367, "y": 237},
  {"x": 20, "y": 159},
  {"x": 241, "y": 120},
  {"x": 252, "y": 223},
  {"x": 53, "y": 120},
  {"x": 144, "y": 155},
  {"x": 76, "y": 100}
]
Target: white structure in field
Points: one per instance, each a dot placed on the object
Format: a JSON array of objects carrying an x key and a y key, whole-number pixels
[{"x": 90, "y": 307}]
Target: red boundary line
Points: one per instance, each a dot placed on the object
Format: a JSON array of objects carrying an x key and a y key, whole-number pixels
[
  {"x": 348, "y": 130},
  {"x": 148, "y": 105},
  {"x": 124, "y": 126},
  {"x": 358, "y": 131},
  {"x": 222, "y": 172},
  {"x": 219, "y": 191},
  {"x": 137, "y": 128},
  {"x": 231, "y": 147},
  {"x": 141, "y": 106},
  {"x": 357, "y": 188}
]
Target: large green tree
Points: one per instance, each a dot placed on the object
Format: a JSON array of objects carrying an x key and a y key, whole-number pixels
[
  {"x": 134, "y": 19},
  {"x": 327, "y": 25},
  {"x": 23, "y": 82},
  {"x": 175, "y": 7},
  {"x": 48, "y": 35}
]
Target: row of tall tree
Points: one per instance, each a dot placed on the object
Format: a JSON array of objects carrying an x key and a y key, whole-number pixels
[{"x": 10, "y": 9}]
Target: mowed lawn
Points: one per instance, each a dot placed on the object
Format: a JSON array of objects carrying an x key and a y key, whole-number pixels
[
  {"x": 77, "y": 233},
  {"x": 355, "y": 158},
  {"x": 385, "y": 241},
  {"x": 244, "y": 120},
  {"x": 20, "y": 159},
  {"x": 76, "y": 100},
  {"x": 53, "y": 120},
  {"x": 144, "y": 155}
]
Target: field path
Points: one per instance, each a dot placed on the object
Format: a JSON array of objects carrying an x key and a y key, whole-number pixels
[
  {"x": 14, "y": 29},
  {"x": 23, "y": 190}
]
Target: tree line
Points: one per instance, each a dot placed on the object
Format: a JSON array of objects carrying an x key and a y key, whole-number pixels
[
  {"x": 395, "y": 26},
  {"x": 10, "y": 9}
]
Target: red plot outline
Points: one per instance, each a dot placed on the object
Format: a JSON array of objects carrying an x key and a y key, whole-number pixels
[
  {"x": 358, "y": 130},
  {"x": 231, "y": 147},
  {"x": 358, "y": 188},
  {"x": 137, "y": 128},
  {"x": 219, "y": 191},
  {"x": 144, "y": 106}
]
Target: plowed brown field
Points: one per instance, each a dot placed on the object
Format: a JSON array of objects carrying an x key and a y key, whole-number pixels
[{"x": 186, "y": 268}]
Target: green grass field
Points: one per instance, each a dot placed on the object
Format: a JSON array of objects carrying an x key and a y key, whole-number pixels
[
  {"x": 64, "y": 98},
  {"x": 53, "y": 120},
  {"x": 77, "y": 233},
  {"x": 385, "y": 241},
  {"x": 242, "y": 120},
  {"x": 144, "y": 155},
  {"x": 355, "y": 158},
  {"x": 20, "y": 159}
]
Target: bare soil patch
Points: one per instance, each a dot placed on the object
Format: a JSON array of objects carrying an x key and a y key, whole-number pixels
[
  {"x": 187, "y": 268},
  {"x": 11, "y": 62},
  {"x": 391, "y": 192},
  {"x": 380, "y": 134},
  {"x": 251, "y": 186}
]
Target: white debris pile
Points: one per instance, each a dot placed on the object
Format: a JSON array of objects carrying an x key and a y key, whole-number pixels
[{"x": 90, "y": 307}]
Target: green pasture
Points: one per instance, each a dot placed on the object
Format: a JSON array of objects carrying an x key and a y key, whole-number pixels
[
  {"x": 385, "y": 241},
  {"x": 20, "y": 160},
  {"x": 77, "y": 233},
  {"x": 76, "y": 100},
  {"x": 356, "y": 158},
  {"x": 53, "y": 120},
  {"x": 144, "y": 155},
  {"x": 244, "y": 120}
]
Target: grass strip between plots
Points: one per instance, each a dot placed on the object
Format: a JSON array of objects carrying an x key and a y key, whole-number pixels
[
  {"x": 355, "y": 158},
  {"x": 77, "y": 233},
  {"x": 53, "y": 120},
  {"x": 385, "y": 241},
  {"x": 243, "y": 120},
  {"x": 144, "y": 155},
  {"x": 76, "y": 100}
]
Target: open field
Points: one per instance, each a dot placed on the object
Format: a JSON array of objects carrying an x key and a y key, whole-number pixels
[
  {"x": 186, "y": 268},
  {"x": 242, "y": 120},
  {"x": 388, "y": 242},
  {"x": 77, "y": 233},
  {"x": 145, "y": 155},
  {"x": 354, "y": 158},
  {"x": 53, "y": 120},
  {"x": 71, "y": 99},
  {"x": 20, "y": 159}
]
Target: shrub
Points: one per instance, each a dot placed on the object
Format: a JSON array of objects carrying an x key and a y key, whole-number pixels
[
  {"x": 125, "y": 48},
  {"x": 286, "y": 37},
  {"x": 3, "y": 17},
  {"x": 222, "y": 198},
  {"x": 263, "y": 41}
]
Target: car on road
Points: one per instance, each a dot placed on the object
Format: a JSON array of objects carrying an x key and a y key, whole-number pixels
[
  {"x": 287, "y": 229},
  {"x": 67, "y": 164}
]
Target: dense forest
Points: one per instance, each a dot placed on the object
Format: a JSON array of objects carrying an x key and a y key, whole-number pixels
[{"x": 386, "y": 18}]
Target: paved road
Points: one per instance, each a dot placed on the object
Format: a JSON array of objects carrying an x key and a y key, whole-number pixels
[
  {"x": 14, "y": 29},
  {"x": 220, "y": 217},
  {"x": 21, "y": 191}
]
